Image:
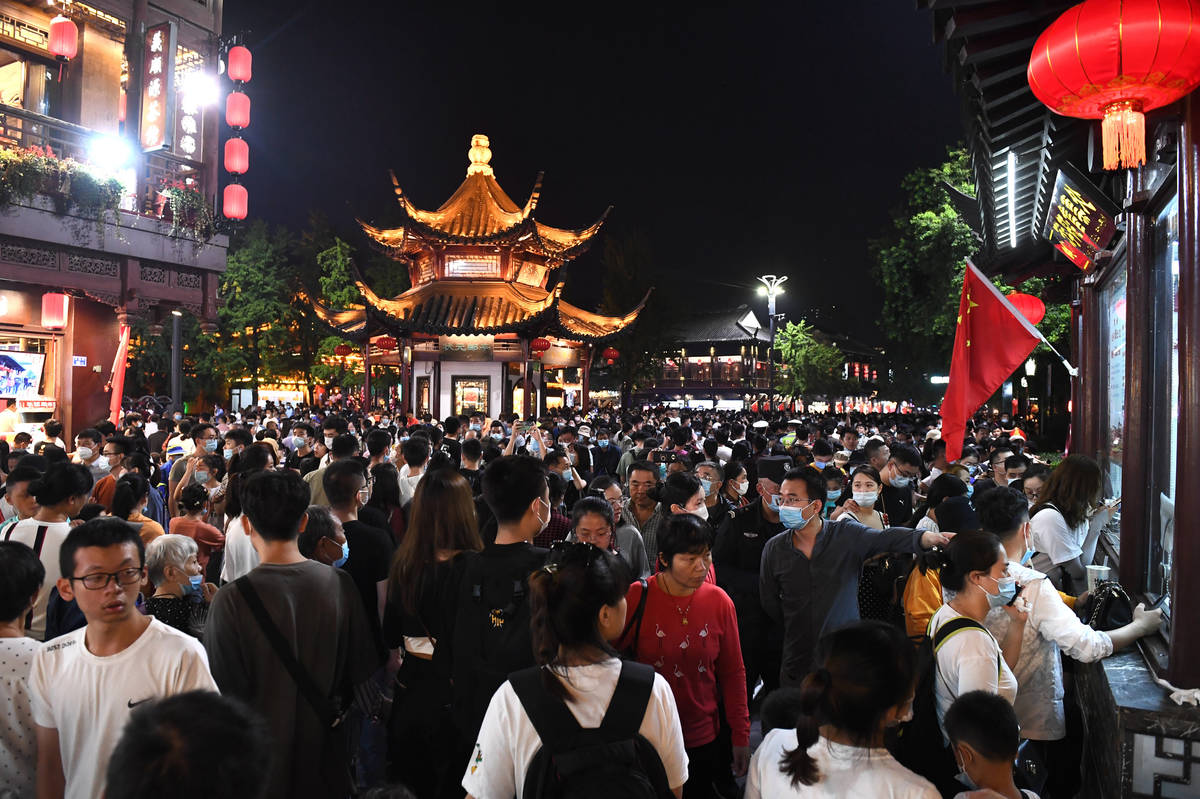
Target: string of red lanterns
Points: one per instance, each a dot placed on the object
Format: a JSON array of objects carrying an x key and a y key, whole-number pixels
[
  {"x": 235, "y": 201},
  {"x": 385, "y": 343}
]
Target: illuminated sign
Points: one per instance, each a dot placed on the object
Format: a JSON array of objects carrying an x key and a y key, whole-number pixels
[
  {"x": 465, "y": 348},
  {"x": 158, "y": 87},
  {"x": 1080, "y": 222}
]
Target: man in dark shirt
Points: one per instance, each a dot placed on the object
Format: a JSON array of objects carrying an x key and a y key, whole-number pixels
[
  {"x": 741, "y": 536},
  {"x": 300, "y": 456},
  {"x": 450, "y": 443},
  {"x": 371, "y": 548},
  {"x": 472, "y": 452},
  {"x": 900, "y": 475},
  {"x": 317, "y": 610}
]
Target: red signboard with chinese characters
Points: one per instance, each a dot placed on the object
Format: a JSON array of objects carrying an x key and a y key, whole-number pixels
[
  {"x": 158, "y": 87},
  {"x": 1081, "y": 219}
]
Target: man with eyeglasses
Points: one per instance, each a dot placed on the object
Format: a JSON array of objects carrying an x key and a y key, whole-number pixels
[
  {"x": 84, "y": 685},
  {"x": 900, "y": 476},
  {"x": 205, "y": 439}
]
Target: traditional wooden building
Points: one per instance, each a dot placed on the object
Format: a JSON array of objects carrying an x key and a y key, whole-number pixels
[{"x": 484, "y": 327}]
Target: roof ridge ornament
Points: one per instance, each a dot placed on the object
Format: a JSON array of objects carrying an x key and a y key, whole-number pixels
[{"x": 480, "y": 156}]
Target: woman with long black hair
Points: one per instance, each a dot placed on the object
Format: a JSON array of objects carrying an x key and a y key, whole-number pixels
[{"x": 577, "y": 602}]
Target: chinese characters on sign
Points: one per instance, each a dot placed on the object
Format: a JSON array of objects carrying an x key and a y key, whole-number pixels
[
  {"x": 465, "y": 348},
  {"x": 1080, "y": 222},
  {"x": 158, "y": 87}
]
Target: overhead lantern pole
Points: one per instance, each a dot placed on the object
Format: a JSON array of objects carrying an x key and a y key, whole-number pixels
[{"x": 771, "y": 288}]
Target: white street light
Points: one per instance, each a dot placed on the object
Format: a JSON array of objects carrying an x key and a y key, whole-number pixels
[
  {"x": 1030, "y": 367},
  {"x": 772, "y": 287}
]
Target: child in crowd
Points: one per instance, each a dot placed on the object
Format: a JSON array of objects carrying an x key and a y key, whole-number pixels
[{"x": 983, "y": 731}]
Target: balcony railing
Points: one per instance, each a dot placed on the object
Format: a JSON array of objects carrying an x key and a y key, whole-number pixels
[{"x": 153, "y": 171}]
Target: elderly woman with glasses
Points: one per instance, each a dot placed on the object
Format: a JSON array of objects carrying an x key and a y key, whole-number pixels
[
  {"x": 180, "y": 596},
  {"x": 592, "y": 522}
]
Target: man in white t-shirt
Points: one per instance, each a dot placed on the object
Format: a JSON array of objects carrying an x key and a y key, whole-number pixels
[
  {"x": 84, "y": 684},
  {"x": 23, "y": 575}
]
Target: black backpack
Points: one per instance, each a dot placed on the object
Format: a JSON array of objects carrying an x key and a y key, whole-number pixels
[
  {"x": 491, "y": 638},
  {"x": 881, "y": 585},
  {"x": 917, "y": 744},
  {"x": 612, "y": 761}
]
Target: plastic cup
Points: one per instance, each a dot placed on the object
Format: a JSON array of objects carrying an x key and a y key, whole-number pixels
[{"x": 1097, "y": 575}]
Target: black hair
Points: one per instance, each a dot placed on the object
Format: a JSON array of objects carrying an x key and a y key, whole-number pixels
[
  {"x": 862, "y": 671},
  {"x": 677, "y": 489},
  {"x": 320, "y": 525},
  {"x": 252, "y": 459},
  {"x": 90, "y": 433},
  {"x": 21, "y": 576},
  {"x": 120, "y": 442},
  {"x": 130, "y": 488},
  {"x": 642, "y": 466},
  {"x": 967, "y": 552},
  {"x": 103, "y": 532},
  {"x": 1015, "y": 462},
  {"x": 872, "y": 447},
  {"x": 22, "y": 474},
  {"x": 1002, "y": 511},
  {"x": 90, "y": 510},
  {"x": 239, "y": 435},
  {"x": 596, "y": 505},
  {"x": 821, "y": 448},
  {"x": 814, "y": 481},
  {"x": 192, "y": 745},
  {"x": 439, "y": 460},
  {"x": 60, "y": 482},
  {"x": 557, "y": 486},
  {"x": 344, "y": 446},
  {"x": 601, "y": 483},
  {"x": 472, "y": 450},
  {"x": 901, "y": 453},
  {"x": 385, "y": 490},
  {"x": 415, "y": 450},
  {"x": 274, "y": 502},
  {"x": 565, "y": 598},
  {"x": 680, "y": 534},
  {"x": 987, "y": 723},
  {"x": 781, "y": 709},
  {"x": 193, "y": 498},
  {"x": 335, "y": 422},
  {"x": 451, "y": 425},
  {"x": 510, "y": 485},
  {"x": 377, "y": 442},
  {"x": 341, "y": 482}
]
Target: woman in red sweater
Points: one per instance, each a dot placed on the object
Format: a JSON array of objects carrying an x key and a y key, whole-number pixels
[{"x": 688, "y": 633}]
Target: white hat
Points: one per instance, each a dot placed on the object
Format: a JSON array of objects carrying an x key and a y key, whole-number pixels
[
  {"x": 761, "y": 424},
  {"x": 795, "y": 422},
  {"x": 933, "y": 434},
  {"x": 584, "y": 431}
]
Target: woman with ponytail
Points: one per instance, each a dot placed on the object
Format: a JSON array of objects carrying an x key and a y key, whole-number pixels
[
  {"x": 863, "y": 685},
  {"x": 577, "y": 605},
  {"x": 129, "y": 503}
]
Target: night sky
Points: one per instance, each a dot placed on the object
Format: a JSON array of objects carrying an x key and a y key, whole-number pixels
[{"x": 739, "y": 139}]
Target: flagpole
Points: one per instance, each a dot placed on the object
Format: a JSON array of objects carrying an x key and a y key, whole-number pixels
[{"x": 1020, "y": 317}]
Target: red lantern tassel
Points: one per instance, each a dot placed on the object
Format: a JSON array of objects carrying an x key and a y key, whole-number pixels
[{"x": 1124, "y": 135}]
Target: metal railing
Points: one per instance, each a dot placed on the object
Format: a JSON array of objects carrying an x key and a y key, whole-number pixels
[{"x": 20, "y": 128}]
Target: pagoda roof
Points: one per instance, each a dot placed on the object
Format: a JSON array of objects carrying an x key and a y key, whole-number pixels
[
  {"x": 469, "y": 307},
  {"x": 480, "y": 212}
]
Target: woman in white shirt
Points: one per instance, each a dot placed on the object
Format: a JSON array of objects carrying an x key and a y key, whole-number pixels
[
  {"x": 860, "y": 501},
  {"x": 1067, "y": 521},
  {"x": 974, "y": 574},
  {"x": 863, "y": 684},
  {"x": 577, "y": 605}
]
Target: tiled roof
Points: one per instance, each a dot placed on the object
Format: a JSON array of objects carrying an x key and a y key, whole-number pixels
[{"x": 735, "y": 324}]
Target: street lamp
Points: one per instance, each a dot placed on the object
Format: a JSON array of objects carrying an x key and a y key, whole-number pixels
[
  {"x": 176, "y": 361},
  {"x": 771, "y": 287},
  {"x": 1030, "y": 367}
]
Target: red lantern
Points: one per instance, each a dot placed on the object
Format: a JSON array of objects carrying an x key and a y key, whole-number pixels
[
  {"x": 538, "y": 346},
  {"x": 237, "y": 110},
  {"x": 64, "y": 38},
  {"x": 54, "y": 311},
  {"x": 385, "y": 343},
  {"x": 610, "y": 355},
  {"x": 342, "y": 350},
  {"x": 1114, "y": 60},
  {"x": 237, "y": 156},
  {"x": 235, "y": 201},
  {"x": 1033, "y": 309},
  {"x": 239, "y": 64}
]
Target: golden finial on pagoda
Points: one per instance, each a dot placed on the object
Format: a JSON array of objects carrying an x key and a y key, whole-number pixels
[{"x": 480, "y": 155}]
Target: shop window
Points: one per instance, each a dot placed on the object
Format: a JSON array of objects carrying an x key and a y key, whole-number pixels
[
  {"x": 422, "y": 405},
  {"x": 29, "y": 83},
  {"x": 470, "y": 395},
  {"x": 1113, "y": 301},
  {"x": 1165, "y": 376}
]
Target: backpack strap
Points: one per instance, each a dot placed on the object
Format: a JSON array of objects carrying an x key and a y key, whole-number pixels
[
  {"x": 39, "y": 541},
  {"x": 627, "y": 707},
  {"x": 956, "y": 626},
  {"x": 551, "y": 718}
]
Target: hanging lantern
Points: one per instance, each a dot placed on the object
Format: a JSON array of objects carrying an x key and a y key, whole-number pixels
[
  {"x": 237, "y": 110},
  {"x": 1029, "y": 306},
  {"x": 54, "y": 311},
  {"x": 385, "y": 343},
  {"x": 342, "y": 350},
  {"x": 610, "y": 355},
  {"x": 1115, "y": 60},
  {"x": 235, "y": 201},
  {"x": 64, "y": 38},
  {"x": 538, "y": 346},
  {"x": 237, "y": 156},
  {"x": 239, "y": 64}
]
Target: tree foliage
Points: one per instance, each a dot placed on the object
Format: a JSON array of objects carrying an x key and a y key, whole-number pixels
[{"x": 813, "y": 367}]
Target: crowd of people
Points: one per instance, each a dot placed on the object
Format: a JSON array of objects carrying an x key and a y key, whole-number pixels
[{"x": 298, "y": 601}]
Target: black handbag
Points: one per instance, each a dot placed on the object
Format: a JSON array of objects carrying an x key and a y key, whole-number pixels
[{"x": 1108, "y": 607}]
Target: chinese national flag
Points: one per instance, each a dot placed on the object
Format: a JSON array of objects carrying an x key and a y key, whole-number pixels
[{"x": 991, "y": 340}]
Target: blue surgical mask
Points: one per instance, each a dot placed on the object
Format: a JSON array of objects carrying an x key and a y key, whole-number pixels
[
  {"x": 899, "y": 481},
  {"x": 192, "y": 587},
  {"x": 662, "y": 471},
  {"x": 1028, "y": 556},
  {"x": 201, "y": 477},
  {"x": 794, "y": 518},
  {"x": 830, "y": 505},
  {"x": 602, "y": 443},
  {"x": 1007, "y": 590},
  {"x": 497, "y": 436},
  {"x": 706, "y": 485},
  {"x": 345, "y": 555},
  {"x": 211, "y": 445},
  {"x": 228, "y": 453},
  {"x": 775, "y": 501},
  {"x": 970, "y": 490},
  {"x": 476, "y": 427}
]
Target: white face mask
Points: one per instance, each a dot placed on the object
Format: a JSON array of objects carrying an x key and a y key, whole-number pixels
[
  {"x": 84, "y": 453},
  {"x": 702, "y": 512},
  {"x": 328, "y": 442},
  {"x": 742, "y": 487},
  {"x": 865, "y": 499}
]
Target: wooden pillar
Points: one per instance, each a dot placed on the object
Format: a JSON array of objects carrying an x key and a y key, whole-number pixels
[
  {"x": 529, "y": 406},
  {"x": 406, "y": 377},
  {"x": 435, "y": 391},
  {"x": 367, "y": 373},
  {"x": 1137, "y": 471},
  {"x": 1184, "y": 669},
  {"x": 586, "y": 377}
]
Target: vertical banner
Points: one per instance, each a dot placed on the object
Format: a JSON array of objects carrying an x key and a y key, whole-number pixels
[
  {"x": 118, "y": 376},
  {"x": 158, "y": 87}
]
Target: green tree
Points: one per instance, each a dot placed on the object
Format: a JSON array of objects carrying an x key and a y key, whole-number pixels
[
  {"x": 812, "y": 365},
  {"x": 257, "y": 314}
]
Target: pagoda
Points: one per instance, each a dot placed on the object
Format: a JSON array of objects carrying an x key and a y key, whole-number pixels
[{"x": 484, "y": 327}]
